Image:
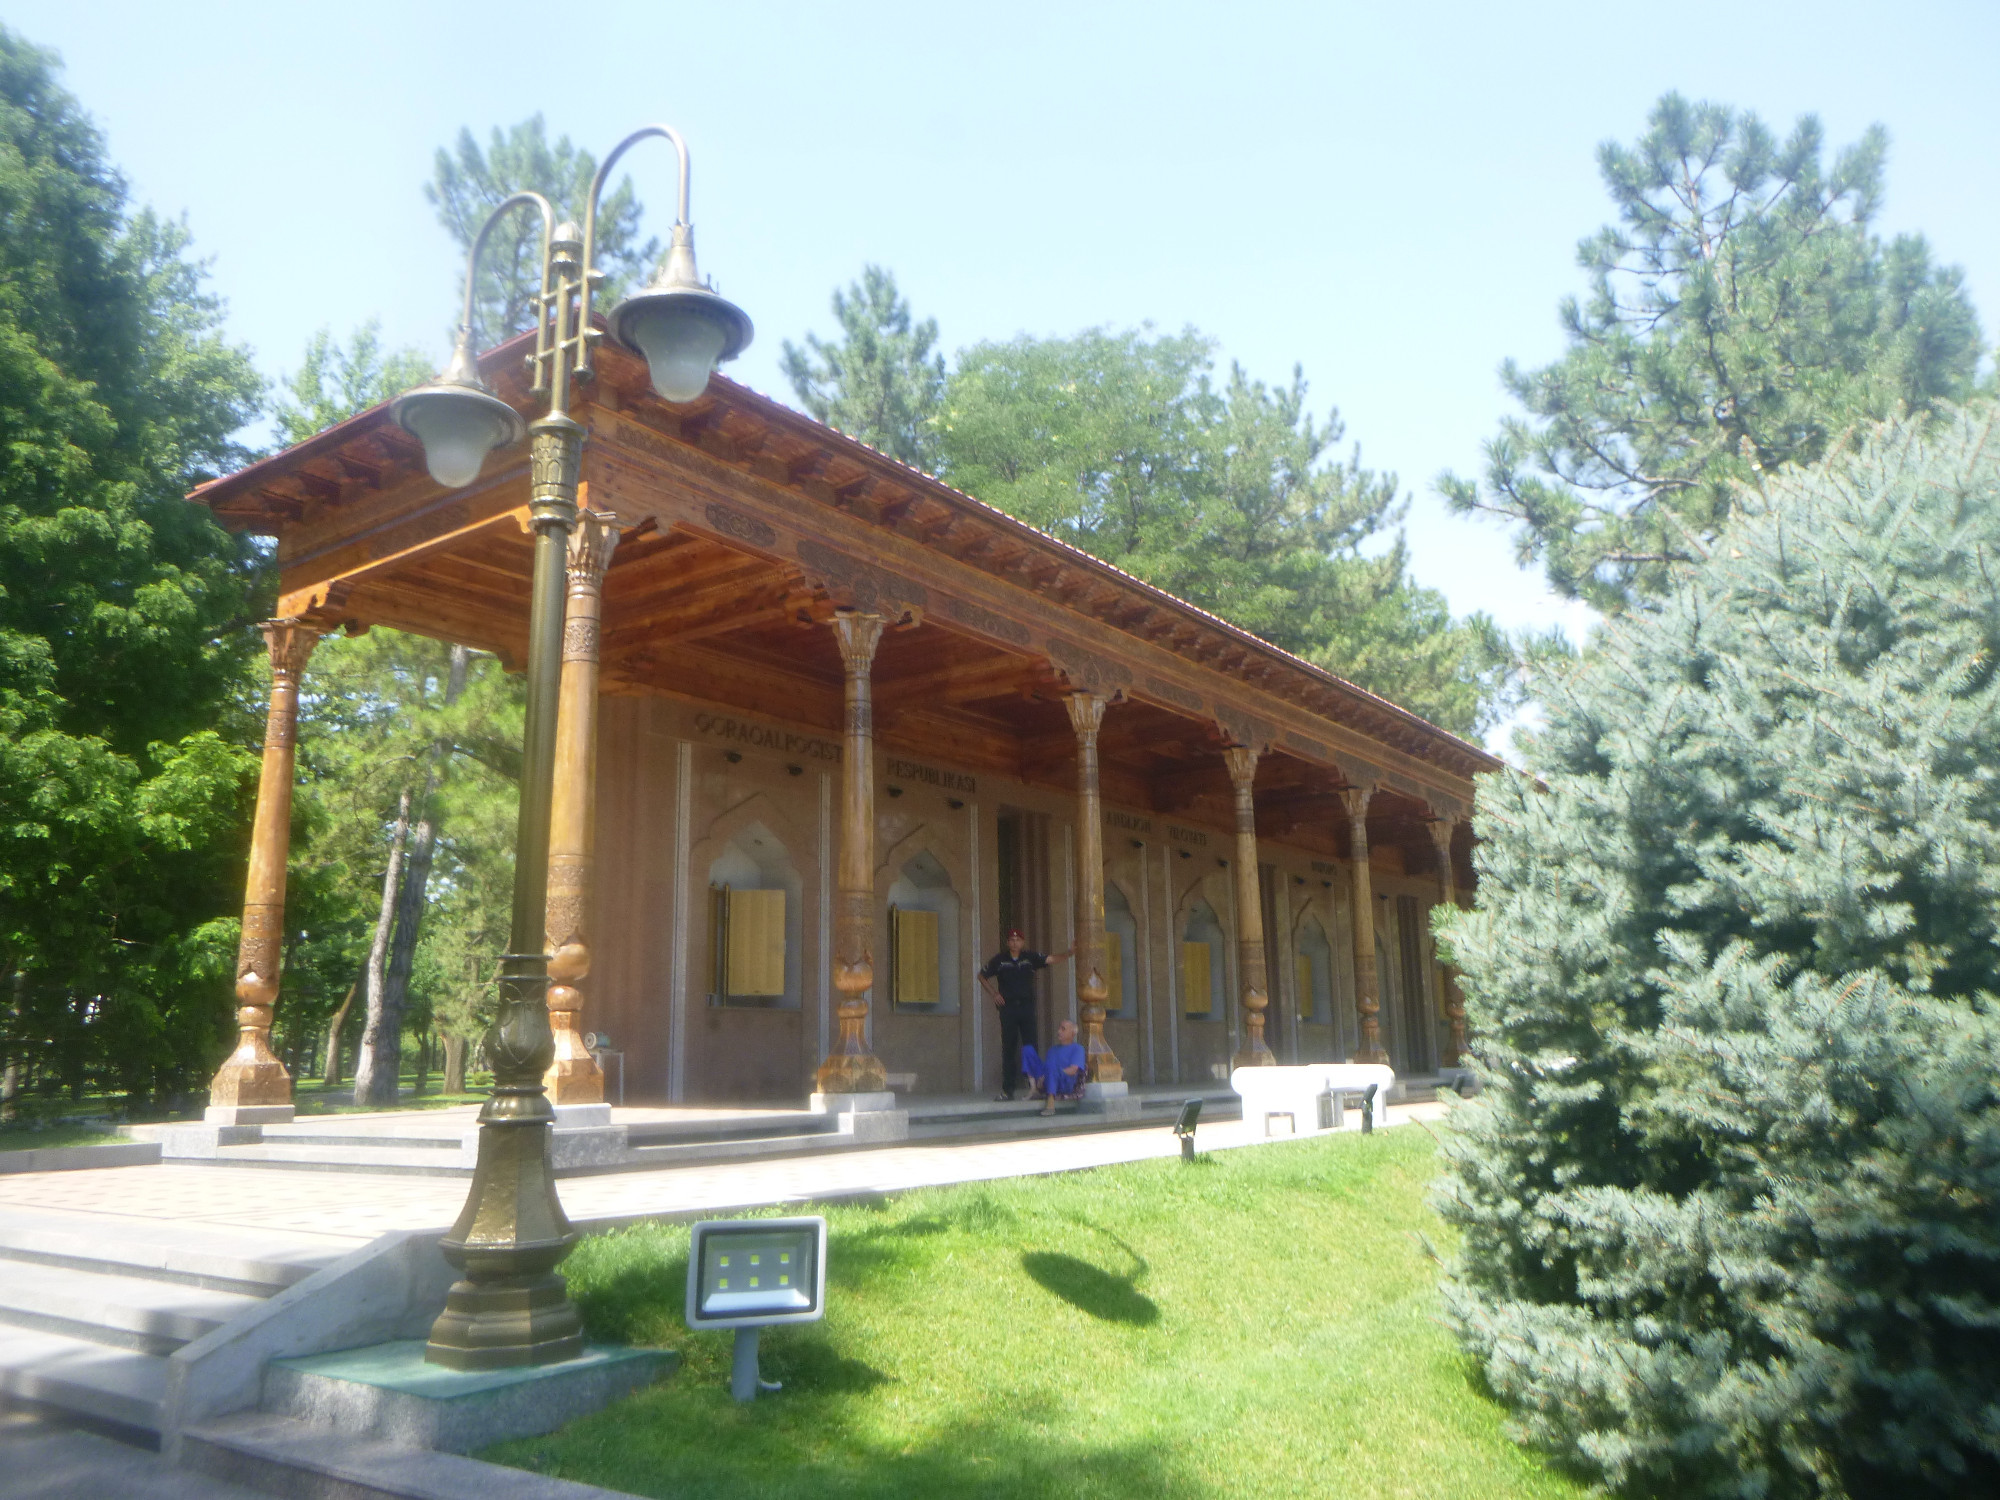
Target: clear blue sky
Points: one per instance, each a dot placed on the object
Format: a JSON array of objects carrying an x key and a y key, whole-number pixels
[{"x": 1390, "y": 195}]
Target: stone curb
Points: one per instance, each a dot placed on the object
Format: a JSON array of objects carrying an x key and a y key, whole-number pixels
[
  {"x": 289, "y": 1459},
  {"x": 76, "y": 1158}
]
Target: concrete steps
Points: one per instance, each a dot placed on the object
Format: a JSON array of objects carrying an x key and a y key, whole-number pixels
[
  {"x": 91, "y": 1307},
  {"x": 392, "y": 1156},
  {"x": 106, "y": 1385},
  {"x": 130, "y": 1312}
]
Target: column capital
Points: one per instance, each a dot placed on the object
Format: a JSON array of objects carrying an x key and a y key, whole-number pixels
[
  {"x": 1086, "y": 712},
  {"x": 591, "y": 543},
  {"x": 1355, "y": 800},
  {"x": 290, "y": 643},
  {"x": 1242, "y": 763},
  {"x": 857, "y": 633}
]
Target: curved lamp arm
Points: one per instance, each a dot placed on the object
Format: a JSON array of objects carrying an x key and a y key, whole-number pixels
[
  {"x": 681, "y": 223},
  {"x": 542, "y": 301},
  {"x": 456, "y": 418}
]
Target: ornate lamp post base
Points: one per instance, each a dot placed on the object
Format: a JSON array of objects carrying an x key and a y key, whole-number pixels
[{"x": 511, "y": 1307}]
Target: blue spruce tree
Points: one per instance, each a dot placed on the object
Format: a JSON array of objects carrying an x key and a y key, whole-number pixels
[{"x": 1730, "y": 1202}]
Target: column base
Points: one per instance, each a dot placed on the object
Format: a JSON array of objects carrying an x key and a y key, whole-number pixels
[
  {"x": 255, "y": 1084},
  {"x": 853, "y": 1073},
  {"x": 1261, "y": 1057},
  {"x": 574, "y": 1081},
  {"x": 1371, "y": 1055}
]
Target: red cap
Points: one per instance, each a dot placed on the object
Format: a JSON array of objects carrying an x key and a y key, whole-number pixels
[{"x": 1015, "y": 932}]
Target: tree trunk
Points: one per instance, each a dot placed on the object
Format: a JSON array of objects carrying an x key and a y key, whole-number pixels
[
  {"x": 10, "y": 1079},
  {"x": 387, "y": 1031},
  {"x": 375, "y": 1083},
  {"x": 332, "y": 1075},
  {"x": 454, "y": 1063}
]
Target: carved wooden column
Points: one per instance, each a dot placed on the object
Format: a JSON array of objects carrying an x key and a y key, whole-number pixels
[
  {"x": 574, "y": 1077},
  {"x": 253, "y": 1078},
  {"x": 1367, "y": 983},
  {"x": 851, "y": 1068},
  {"x": 1449, "y": 996},
  {"x": 1254, "y": 1053},
  {"x": 1086, "y": 716}
]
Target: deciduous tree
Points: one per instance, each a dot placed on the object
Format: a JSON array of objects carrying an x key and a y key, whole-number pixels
[
  {"x": 124, "y": 616},
  {"x": 1233, "y": 499}
]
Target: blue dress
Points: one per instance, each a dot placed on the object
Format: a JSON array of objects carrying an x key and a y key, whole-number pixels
[{"x": 1064, "y": 1055}]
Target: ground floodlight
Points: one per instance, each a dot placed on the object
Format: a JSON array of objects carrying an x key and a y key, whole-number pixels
[
  {"x": 1184, "y": 1127},
  {"x": 1370, "y": 1103},
  {"x": 747, "y": 1273}
]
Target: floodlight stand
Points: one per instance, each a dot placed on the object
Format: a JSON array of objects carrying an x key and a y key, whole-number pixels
[
  {"x": 744, "y": 1381},
  {"x": 1187, "y": 1148}
]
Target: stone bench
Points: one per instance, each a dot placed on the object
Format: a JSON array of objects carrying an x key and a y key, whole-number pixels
[{"x": 1298, "y": 1091}]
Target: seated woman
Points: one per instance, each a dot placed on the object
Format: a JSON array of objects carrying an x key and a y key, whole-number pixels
[{"x": 1063, "y": 1069}]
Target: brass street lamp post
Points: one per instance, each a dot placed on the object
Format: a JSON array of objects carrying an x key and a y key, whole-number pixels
[{"x": 510, "y": 1306}]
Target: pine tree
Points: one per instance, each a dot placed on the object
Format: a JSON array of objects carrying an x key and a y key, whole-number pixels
[
  {"x": 1727, "y": 1201},
  {"x": 883, "y": 381},
  {"x": 469, "y": 182},
  {"x": 1742, "y": 314}
]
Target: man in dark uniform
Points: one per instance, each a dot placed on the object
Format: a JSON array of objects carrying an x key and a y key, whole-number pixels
[{"x": 1009, "y": 978}]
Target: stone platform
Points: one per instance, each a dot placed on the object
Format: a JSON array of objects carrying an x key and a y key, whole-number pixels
[
  {"x": 387, "y": 1392},
  {"x": 591, "y": 1140}
]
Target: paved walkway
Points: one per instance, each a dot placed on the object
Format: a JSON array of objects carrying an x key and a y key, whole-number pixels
[
  {"x": 44, "y": 1458},
  {"x": 334, "y": 1209}
]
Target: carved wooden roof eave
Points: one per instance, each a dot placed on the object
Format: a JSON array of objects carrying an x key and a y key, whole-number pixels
[
  {"x": 1310, "y": 679},
  {"x": 260, "y": 498}
]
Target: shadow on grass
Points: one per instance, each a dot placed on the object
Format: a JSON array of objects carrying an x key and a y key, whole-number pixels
[
  {"x": 815, "y": 1367},
  {"x": 1090, "y": 1289}
]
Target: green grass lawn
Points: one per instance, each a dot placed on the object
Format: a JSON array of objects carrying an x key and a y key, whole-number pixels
[
  {"x": 23, "y": 1137},
  {"x": 1262, "y": 1323},
  {"x": 311, "y": 1097}
]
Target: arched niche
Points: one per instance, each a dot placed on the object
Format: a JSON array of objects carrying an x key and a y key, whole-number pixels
[
  {"x": 754, "y": 859},
  {"x": 1119, "y": 923},
  {"x": 1199, "y": 925},
  {"x": 923, "y": 888},
  {"x": 1313, "y": 979}
]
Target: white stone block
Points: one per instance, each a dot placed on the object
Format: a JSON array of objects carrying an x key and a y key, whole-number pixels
[
  {"x": 607, "y": 1146},
  {"x": 867, "y": 1125},
  {"x": 834, "y": 1104},
  {"x": 249, "y": 1114}
]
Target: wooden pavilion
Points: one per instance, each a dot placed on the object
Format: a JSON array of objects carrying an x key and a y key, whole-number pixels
[{"x": 1245, "y": 849}]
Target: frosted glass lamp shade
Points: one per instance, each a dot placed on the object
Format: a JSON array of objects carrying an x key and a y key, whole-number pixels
[
  {"x": 682, "y": 343},
  {"x": 458, "y": 426},
  {"x": 684, "y": 330}
]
